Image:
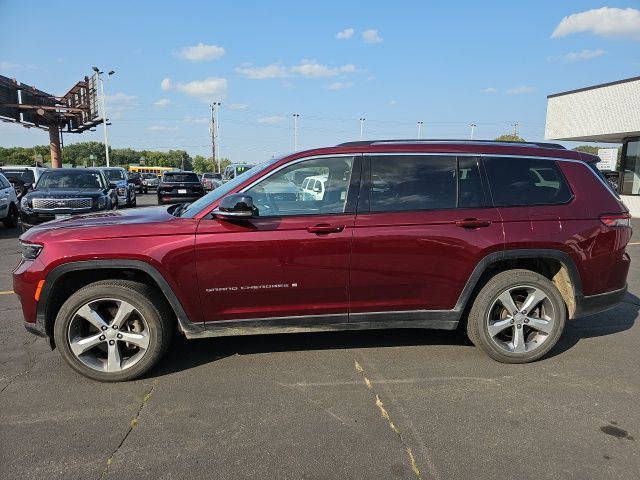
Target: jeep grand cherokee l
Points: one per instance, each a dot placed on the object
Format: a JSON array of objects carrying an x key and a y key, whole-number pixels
[{"x": 507, "y": 241}]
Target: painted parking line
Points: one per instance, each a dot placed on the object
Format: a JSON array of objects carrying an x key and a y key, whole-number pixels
[
  {"x": 633, "y": 243},
  {"x": 8, "y": 292}
]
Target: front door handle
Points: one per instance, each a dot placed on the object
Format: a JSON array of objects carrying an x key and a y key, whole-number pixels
[
  {"x": 324, "y": 228},
  {"x": 473, "y": 223}
]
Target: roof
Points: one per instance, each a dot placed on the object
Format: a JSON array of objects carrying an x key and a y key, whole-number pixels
[
  {"x": 593, "y": 87},
  {"x": 448, "y": 141}
]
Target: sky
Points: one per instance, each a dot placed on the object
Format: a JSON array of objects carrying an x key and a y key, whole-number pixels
[{"x": 446, "y": 64}]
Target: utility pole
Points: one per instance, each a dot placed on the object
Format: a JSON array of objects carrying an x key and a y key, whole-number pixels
[
  {"x": 295, "y": 131},
  {"x": 419, "y": 130},
  {"x": 54, "y": 145},
  {"x": 473, "y": 126},
  {"x": 216, "y": 133},
  {"x": 361, "y": 126},
  {"x": 212, "y": 131},
  {"x": 104, "y": 110},
  {"x": 515, "y": 129}
]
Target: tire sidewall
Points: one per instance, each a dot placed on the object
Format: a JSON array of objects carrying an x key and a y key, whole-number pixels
[
  {"x": 96, "y": 292},
  {"x": 489, "y": 294}
]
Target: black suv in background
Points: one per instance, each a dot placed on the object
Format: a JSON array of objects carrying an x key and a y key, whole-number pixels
[
  {"x": 64, "y": 192},
  {"x": 178, "y": 187}
]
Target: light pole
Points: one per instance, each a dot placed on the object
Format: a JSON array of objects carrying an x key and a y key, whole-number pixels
[
  {"x": 216, "y": 134},
  {"x": 362, "y": 119},
  {"x": 104, "y": 110},
  {"x": 419, "y": 129},
  {"x": 295, "y": 131},
  {"x": 473, "y": 126}
]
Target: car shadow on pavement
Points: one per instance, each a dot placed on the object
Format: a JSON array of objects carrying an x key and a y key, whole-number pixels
[
  {"x": 9, "y": 232},
  {"x": 616, "y": 320},
  {"x": 185, "y": 354}
]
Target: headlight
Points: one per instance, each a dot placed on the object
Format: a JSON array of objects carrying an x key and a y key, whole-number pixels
[
  {"x": 30, "y": 251},
  {"x": 25, "y": 203}
]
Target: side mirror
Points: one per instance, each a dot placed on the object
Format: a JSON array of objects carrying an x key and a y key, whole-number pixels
[{"x": 237, "y": 205}]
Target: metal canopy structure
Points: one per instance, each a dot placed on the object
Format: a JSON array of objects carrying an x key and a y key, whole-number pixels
[{"x": 75, "y": 112}]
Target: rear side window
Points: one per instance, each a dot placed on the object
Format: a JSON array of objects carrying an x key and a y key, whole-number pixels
[{"x": 517, "y": 181}]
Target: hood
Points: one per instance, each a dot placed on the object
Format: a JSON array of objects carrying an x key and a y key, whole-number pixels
[
  {"x": 65, "y": 193},
  {"x": 119, "y": 183}
]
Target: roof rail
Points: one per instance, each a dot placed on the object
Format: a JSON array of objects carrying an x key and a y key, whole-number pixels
[{"x": 363, "y": 143}]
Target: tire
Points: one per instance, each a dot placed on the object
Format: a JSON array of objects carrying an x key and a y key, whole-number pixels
[
  {"x": 528, "y": 328},
  {"x": 150, "y": 317},
  {"x": 11, "y": 220}
]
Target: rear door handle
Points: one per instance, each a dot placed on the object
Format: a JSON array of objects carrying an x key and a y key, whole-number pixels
[
  {"x": 473, "y": 223},
  {"x": 325, "y": 228}
]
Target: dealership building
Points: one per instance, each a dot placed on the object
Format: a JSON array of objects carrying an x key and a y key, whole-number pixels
[{"x": 607, "y": 113}]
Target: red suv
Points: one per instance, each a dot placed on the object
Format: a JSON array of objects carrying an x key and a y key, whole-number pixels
[{"x": 506, "y": 240}]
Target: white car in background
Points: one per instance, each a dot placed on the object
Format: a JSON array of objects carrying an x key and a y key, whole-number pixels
[
  {"x": 313, "y": 187},
  {"x": 8, "y": 203}
]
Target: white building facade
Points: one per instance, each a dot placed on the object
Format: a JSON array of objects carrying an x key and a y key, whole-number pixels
[{"x": 607, "y": 113}]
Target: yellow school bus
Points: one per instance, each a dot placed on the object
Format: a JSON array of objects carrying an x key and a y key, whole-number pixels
[{"x": 144, "y": 169}]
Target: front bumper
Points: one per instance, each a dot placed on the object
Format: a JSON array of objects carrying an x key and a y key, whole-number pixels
[{"x": 592, "y": 304}]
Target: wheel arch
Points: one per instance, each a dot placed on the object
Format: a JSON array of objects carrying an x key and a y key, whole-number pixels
[
  {"x": 65, "y": 279},
  {"x": 555, "y": 265}
]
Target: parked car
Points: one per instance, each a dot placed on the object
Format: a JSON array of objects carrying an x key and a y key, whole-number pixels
[
  {"x": 125, "y": 189},
  {"x": 235, "y": 169},
  {"x": 135, "y": 178},
  {"x": 149, "y": 180},
  {"x": 8, "y": 203},
  {"x": 178, "y": 187},
  {"x": 210, "y": 181},
  {"x": 313, "y": 187},
  {"x": 63, "y": 192},
  {"x": 22, "y": 177},
  {"x": 458, "y": 234}
]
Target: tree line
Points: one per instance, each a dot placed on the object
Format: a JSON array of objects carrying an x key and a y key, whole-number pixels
[{"x": 90, "y": 154}]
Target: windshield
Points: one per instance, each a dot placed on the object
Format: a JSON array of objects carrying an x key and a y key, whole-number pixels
[
  {"x": 180, "y": 177},
  {"x": 80, "y": 179},
  {"x": 196, "y": 207},
  {"x": 115, "y": 174},
  {"x": 25, "y": 175}
]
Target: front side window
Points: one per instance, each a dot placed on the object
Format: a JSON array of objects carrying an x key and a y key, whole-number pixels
[
  {"x": 516, "y": 181},
  {"x": 325, "y": 190}
]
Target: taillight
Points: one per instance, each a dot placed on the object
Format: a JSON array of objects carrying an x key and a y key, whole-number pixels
[{"x": 616, "y": 219}]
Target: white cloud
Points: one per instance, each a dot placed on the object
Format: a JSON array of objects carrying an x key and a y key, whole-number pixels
[
  {"x": 274, "y": 70},
  {"x": 339, "y": 85},
  {"x": 201, "y": 52},
  {"x": 577, "y": 56},
  {"x": 489, "y": 90},
  {"x": 4, "y": 65},
  {"x": 604, "y": 22},
  {"x": 190, "y": 119},
  {"x": 371, "y": 36},
  {"x": 209, "y": 89},
  {"x": 345, "y": 34},
  {"x": 162, "y": 102},
  {"x": 520, "y": 90},
  {"x": 162, "y": 128},
  {"x": 271, "y": 120},
  {"x": 237, "y": 106},
  {"x": 120, "y": 98},
  {"x": 306, "y": 69},
  {"x": 166, "y": 84},
  {"x": 392, "y": 103}
]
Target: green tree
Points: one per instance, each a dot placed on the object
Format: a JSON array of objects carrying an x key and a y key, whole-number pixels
[
  {"x": 510, "y": 137},
  {"x": 202, "y": 164}
]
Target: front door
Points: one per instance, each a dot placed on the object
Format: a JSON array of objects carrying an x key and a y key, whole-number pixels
[
  {"x": 292, "y": 258},
  {"x": 420, "y": 231}
]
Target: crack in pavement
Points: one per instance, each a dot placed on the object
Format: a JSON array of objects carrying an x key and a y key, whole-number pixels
[
  {"x": 387, "y": 417},
  {"x": 133, "y": 424},
  {"x": 31, "y": 362}
]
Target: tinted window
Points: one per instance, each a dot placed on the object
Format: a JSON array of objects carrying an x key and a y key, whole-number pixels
[
  {"x": 526, "y": 181},
  {"x": 278, "y": 195},
  {"x": 73, "y": 180},
  {"x": 412, "y": 182},
  {"x": 25, "y": 175},
  {"x": 180, "y": 177},
  {"x": 114, "y": 175},
  {"x": 470, "y": 191}
]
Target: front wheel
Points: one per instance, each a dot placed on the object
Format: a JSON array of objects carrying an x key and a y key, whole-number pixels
[
  {"x": 113, "y": 330},
  {"x": 517, "y": 317}
]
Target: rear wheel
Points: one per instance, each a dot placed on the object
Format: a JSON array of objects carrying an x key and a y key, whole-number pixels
[
  {"x": 11, "y": 220},
  {"x": 113, "y": 330},
  {"x": 517, "y": 317}
]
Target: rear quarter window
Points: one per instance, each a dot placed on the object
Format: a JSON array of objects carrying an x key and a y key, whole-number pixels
[{"x": 517, "y": 181}]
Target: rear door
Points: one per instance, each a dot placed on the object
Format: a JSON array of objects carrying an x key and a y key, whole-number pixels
[{"x": 423, "y": 224}]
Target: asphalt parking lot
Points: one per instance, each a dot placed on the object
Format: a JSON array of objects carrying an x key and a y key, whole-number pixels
[{"x": 392, "y": 404}]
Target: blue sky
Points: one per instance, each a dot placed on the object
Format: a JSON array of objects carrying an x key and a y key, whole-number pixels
[{"x": 447, "y": 64}]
